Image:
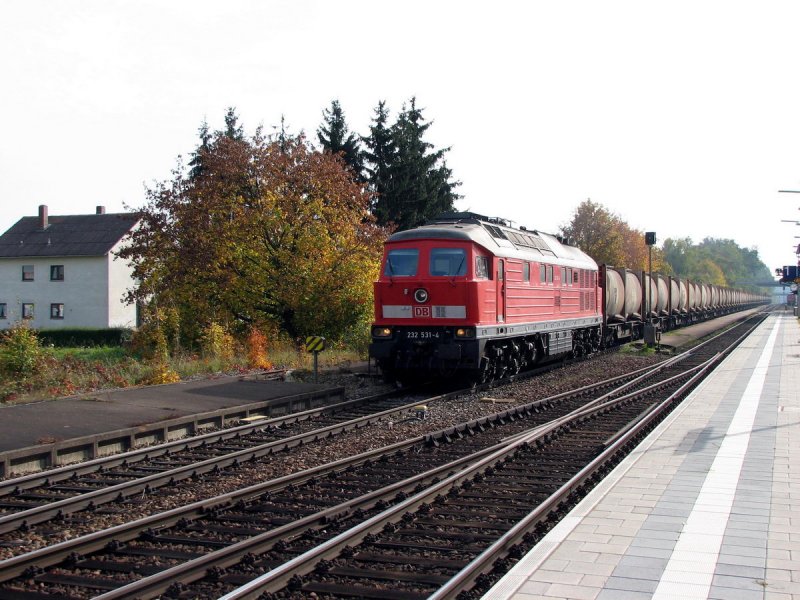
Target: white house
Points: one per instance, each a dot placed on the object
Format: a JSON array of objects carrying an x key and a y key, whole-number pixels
[{"x": 61, "y": 271}]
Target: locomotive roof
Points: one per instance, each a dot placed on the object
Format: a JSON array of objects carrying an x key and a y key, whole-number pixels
[{"x": 499, "y": 238}]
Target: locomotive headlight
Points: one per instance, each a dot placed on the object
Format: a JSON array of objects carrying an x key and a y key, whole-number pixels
[
  {"x": 465, "y": 332},
  {"x": 381, "y": 332},
  {"x": 421, "y": 295}
]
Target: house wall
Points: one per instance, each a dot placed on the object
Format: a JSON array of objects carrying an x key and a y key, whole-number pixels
[
  {"x": 84, "y": 292},
  {"x": 120, "y": 280}
]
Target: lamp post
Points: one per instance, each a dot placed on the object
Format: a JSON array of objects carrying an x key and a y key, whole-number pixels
[{"x": 649, "y": 328}]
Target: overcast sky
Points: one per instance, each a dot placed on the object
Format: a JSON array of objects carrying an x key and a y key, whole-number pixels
[{"x": 681, "y": 117}]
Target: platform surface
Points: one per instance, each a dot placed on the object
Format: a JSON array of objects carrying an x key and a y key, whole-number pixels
[
  {"x": 707, "y": 507},
  {"x": 24, "y": 425}
]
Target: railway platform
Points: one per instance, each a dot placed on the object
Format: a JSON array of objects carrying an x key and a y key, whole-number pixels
[
  {"x": 704, "y": 508},
  {"x": 45, "y": 434}
]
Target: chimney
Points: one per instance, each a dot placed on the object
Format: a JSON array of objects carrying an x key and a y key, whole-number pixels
[
  {"x": 43, "y": 222},
  {"x": 101, "y": 210}
]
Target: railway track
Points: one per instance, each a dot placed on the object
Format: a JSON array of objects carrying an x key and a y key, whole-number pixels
[
  {"x": 444, "y": 543},
  {"x": 38, "y": 498},
  {"x": 218, "y": 544},
  {"x": 44, "y": 496}
]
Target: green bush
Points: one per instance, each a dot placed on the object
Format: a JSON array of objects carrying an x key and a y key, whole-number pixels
[
  {"x": 20, "y": 351},
  {"x": 217, "y": 343}
]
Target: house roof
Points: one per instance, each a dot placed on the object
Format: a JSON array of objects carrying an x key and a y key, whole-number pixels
[{"x": 69, "y": 235}]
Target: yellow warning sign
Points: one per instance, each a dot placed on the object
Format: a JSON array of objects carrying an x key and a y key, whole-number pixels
[{"x": 315, "y": 343}]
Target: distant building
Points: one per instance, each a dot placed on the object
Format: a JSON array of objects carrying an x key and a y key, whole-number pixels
[{"x": 60, "y": 271}]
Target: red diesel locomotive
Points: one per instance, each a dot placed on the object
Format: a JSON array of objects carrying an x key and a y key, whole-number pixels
[
  {"x": 472, "y": 295},
  {"x": 468, "y": 293}
]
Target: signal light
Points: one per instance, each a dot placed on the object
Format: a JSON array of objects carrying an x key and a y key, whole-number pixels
[
  {"x": 381, "y": 331},
  {"x": 465, "y": 332}
]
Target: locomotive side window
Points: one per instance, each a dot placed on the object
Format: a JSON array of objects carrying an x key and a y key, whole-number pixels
[
  {"x": 448, "y": 262},
  {"x": 526, "y": 271},
  {"x": 481, "y": 267},
  {"x": 401, "y": 262}
]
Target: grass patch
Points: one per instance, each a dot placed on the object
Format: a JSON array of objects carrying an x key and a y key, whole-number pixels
[
  {"x": 105, "y": 354},
  {"x": 74, "y": 371}
]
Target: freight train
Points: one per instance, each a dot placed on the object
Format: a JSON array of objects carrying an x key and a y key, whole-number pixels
[{"x": 471, "y": 295}]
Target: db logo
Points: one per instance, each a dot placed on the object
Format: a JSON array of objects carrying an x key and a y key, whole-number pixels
[{"x": 422, "y": 312}]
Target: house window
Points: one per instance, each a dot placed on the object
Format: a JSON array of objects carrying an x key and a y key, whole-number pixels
[
  {"x": 3, "y": 310},
  {"x": 27, "y": 310},
  {"x": 563, "y": 276},
  {"x": 27, "y": 272},
  {"x": 526, "y": 271},
  {"x": 56, "y": 272},
  {"x": 542, "y": 273},
  {"x": 56, "y": 311}
]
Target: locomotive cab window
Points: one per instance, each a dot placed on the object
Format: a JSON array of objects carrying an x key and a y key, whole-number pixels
[
  {"x": 481, "y": 267},
  {"x": 448, "y": 262},
  {"x": 401, "y": 262}
]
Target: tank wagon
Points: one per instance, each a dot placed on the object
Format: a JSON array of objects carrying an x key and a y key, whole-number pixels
[{"x": 473, "y": 295}]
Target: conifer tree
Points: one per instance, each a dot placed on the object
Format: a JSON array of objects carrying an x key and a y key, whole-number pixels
[
  {"x": 380, "y": 155},
  {"x": 411, "y": 178},
  {"x": 196, "y": 163},
  {"x": 335, "y": 138},
  {"x": 233, "y": 130}
]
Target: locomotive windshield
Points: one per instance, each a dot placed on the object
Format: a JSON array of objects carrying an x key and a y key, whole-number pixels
[
  {"x": 448, "y": 262},
  {"x": 401, "y": 262}
]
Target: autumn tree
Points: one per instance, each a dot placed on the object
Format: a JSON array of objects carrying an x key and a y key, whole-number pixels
[
  {"x": 594, "y": 230},
  {"x": 336, "y": 138},
  {"x": 718, "y": 261},
  {"x": 608, "y": 239},
  {"x": 269, "y": 231}
]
